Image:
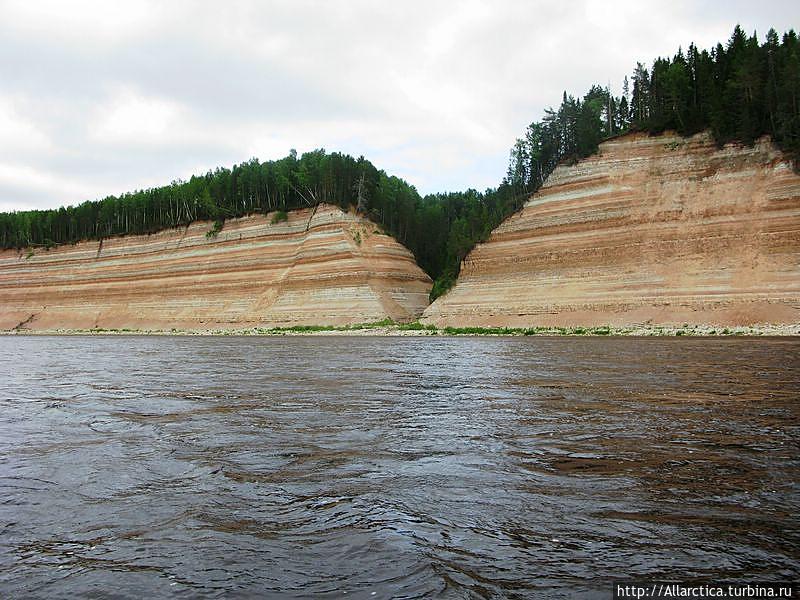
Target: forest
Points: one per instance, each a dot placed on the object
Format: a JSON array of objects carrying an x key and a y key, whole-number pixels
[{"x": 740, "y": 91}]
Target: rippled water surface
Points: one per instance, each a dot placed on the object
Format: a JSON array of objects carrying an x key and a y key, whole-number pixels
[{"x": 394, "y": 467}]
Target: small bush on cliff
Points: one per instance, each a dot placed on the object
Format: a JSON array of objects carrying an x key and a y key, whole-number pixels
[
  {"x": 214, "y": 231},
  {"x": 279, "y": 217}
]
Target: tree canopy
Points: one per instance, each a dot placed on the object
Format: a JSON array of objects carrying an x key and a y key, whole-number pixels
[{"x": 740, "y": 91}]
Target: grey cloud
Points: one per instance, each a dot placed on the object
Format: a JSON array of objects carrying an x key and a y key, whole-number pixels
[{"x": 431, "y": 91}]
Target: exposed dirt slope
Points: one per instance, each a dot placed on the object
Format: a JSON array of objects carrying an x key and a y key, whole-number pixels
[
  {"x": 319, "y": 267},
  {"x": 657, "y": 230}
]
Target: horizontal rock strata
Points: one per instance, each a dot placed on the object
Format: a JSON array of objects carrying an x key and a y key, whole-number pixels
[
  {"x": 651, "y": 230},
  {"x": 320, "y": 267}
]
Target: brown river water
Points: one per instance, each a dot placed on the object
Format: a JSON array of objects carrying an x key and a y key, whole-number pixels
[{"x": 358, "y": 467}]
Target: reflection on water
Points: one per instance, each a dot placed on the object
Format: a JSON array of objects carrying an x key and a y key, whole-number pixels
[{"x": 394, "y": 467}]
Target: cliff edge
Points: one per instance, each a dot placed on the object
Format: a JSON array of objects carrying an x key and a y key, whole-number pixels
[
  {"x": 649, "y": 231},
  {"x": 321, "y": 266}
]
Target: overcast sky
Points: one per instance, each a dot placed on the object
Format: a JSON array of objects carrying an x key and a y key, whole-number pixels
[{"x": 99, "y": 98}]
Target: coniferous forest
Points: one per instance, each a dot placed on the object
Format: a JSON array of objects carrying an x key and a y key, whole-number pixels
[{"x": 740, "y": 90}]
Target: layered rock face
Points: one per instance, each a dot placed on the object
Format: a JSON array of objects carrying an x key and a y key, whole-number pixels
[
  {"x": 651, "y": 230},
  {"x": 320, "y": 267}
]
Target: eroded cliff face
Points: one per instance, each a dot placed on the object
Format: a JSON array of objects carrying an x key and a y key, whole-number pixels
[
  {"x": 651, "y": 230},
  {"x": 320, "y": 267}
]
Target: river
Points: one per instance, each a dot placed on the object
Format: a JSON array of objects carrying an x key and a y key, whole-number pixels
[{"x": 386, "y": 467}]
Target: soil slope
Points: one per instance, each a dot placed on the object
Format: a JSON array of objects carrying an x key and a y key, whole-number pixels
[
  {"x": 651, "y": 230},
  {"x": 321, "y": 267}
]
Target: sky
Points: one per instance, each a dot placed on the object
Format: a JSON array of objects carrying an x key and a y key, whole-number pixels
[{"x": 104, "y": 97}]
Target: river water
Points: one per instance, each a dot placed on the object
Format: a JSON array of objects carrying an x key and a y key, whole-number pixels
[{"x": 361, "y": 467}]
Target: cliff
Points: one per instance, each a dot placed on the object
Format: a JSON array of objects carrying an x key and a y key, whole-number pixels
[
  {"x": 320, "y": 267},
  {"x": 650, "y": 230}
]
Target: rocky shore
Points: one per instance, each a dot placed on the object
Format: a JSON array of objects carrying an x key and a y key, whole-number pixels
[{"x": 419, "y": 330}]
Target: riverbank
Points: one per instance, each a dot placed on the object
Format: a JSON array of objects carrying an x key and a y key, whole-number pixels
[{"x": 388, "y": 328}]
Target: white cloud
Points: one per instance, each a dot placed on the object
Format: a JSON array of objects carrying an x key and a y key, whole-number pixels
[
  {"x": 109, "y": 21},
  {"x": 19, "y": 182},
  {"x": 129, "y": 117},
  {"x": 19, "y": 134}
]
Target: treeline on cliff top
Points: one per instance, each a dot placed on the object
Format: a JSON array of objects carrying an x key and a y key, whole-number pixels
[{"x": 740, "y": 91}]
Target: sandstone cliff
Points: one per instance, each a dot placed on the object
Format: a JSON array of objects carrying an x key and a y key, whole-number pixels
[
  {"x": 322, "y": 266},
  {"x": 651, "y": 230}
]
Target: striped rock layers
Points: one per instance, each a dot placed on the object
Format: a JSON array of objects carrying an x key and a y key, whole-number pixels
[
  {"x": 651, "y": 230},
  {"x": 319, "y": 267}
]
